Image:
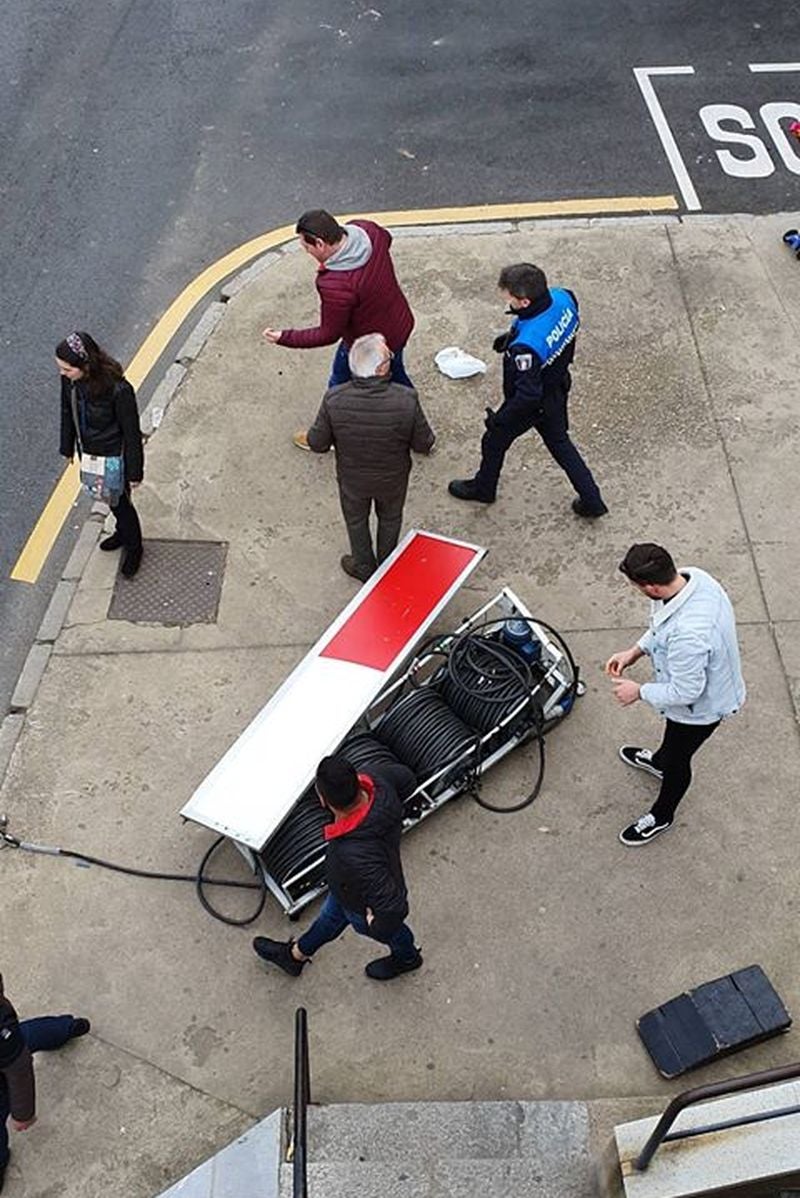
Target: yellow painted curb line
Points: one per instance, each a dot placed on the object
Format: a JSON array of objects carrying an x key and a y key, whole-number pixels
[{"x": 41, "y": 540}]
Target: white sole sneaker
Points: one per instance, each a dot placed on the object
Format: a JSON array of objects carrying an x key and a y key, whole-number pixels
[
  {"x": 635, "y": 838},
  {"x": 636, "y": 763}
]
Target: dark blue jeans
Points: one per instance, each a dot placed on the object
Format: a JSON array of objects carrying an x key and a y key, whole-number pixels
[
  {"x": 41, "y": 1035},
  {"x": 333, "y": 919},
  {"x": 340, "y": 367},
  {"x": 551, "y": 422}
]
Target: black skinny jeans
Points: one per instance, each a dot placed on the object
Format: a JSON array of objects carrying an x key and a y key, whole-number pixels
[
  {"x": 674, "y": 758},
  {"x": 128, "y": 527}
]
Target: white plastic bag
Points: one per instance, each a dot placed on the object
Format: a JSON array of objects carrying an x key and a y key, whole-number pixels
[{"x": 458, "y": 364}]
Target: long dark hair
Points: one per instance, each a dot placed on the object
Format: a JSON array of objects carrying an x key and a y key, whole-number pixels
[{"x": 100, "y": 371}]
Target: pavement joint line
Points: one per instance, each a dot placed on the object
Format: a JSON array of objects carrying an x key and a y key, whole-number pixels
[
  {"x": 128, "y": 1052},
  {"x": 718, "y": 425}
]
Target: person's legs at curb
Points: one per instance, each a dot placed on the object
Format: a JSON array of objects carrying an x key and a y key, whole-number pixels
[{"x": 128, "y": 533}]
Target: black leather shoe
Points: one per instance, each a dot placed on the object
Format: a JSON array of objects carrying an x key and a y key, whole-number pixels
[
  {"x": 589, "y": 513},
  {"x": 278, "y": 952},
  {"x": 112, "y": 542},
  {"x": 351, "y": 567},
  {"x": 80, "y": 1027},
  {"x": 132, "y": 561},
  {"x": 467, "y": 488},
  {"x": 386, "y": 968}
]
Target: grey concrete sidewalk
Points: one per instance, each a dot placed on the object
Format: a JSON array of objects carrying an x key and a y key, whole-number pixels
[{"x": 544, "y": 938}]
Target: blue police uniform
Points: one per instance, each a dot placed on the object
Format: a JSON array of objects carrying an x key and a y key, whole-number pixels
[{"x": 537, "y": 353}]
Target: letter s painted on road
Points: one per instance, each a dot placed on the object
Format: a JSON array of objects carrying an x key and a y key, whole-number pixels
[{"x": 758, "y": 164}]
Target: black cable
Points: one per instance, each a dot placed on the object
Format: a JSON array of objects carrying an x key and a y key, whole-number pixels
[{"x": 199, "y": 879}]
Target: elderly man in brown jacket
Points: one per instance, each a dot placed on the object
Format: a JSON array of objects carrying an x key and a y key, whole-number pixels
[
  {"x": 372, "y": 424},
  {"x": 18, "y": 1041}
]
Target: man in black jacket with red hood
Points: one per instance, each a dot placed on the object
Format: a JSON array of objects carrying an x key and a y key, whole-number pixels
[{"x": 363, "y": 869}]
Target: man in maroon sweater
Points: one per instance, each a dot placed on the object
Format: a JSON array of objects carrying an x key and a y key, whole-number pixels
[{"x": 359, "y": 294}]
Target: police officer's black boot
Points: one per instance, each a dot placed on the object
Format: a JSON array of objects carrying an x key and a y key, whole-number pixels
[{"x": 467, "y": 488}]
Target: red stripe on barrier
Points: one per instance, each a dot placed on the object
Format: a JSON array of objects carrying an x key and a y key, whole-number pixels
[{"x": 392, "y": 612}]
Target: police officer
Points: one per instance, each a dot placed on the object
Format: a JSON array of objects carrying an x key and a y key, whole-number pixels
[{"x": 537, "y": 354}]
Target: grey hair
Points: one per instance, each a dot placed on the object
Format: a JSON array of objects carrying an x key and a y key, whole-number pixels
[{"x": 366, "y": 355}]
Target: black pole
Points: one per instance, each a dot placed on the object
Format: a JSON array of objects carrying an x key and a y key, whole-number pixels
[{"x": 302, "y": 1088}]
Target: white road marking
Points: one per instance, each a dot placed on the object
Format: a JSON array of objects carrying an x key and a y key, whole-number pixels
[
  {"x": 777, "y": 67},
  {"x": 643, "y": 75}
]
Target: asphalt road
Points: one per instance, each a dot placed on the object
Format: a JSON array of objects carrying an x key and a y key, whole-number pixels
[{"x": 140, "y": 141}]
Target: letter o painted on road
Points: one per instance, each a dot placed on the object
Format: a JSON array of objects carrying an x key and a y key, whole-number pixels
[{"x": 771, "y": 115}]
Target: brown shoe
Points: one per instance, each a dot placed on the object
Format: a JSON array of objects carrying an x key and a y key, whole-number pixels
[
  {"x": 301, "y": 440},
  {"x": 350, "y": 566}
]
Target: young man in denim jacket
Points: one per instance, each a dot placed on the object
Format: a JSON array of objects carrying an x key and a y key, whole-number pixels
[{"x": 692, "y": 645}]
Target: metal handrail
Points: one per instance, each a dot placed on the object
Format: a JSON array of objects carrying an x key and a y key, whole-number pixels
[
  {"x": 302, "y": 1097},
  {"x": 750, "y": 1081}
]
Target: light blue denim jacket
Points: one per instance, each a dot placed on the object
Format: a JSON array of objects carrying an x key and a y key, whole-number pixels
[{"x": 692, "y": 644}]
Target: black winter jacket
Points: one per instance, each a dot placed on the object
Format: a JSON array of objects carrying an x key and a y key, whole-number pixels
[
  {"x": 372, "y": 424},
  {"x": 110, "y": 423},
  {"x": 363, "y": 866}
]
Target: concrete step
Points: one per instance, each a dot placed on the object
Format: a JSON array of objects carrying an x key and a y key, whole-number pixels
[
  {"x": 755, "y": 1159},
  {"x": 542, "y": 1132},
  {"x": 439, "y": 1179},
  {"x": 247, "y": 1168}
]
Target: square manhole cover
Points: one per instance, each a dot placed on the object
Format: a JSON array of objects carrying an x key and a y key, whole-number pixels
[{"x": 179, "y": 582}]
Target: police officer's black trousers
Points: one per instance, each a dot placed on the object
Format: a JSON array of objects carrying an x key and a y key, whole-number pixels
[{"x": 551, "y": 422}]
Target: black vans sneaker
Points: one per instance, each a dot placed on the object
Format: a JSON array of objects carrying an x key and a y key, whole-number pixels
[
  {"x": 643, "y": 831},
  {"x": 640, "y": 759},
  {"x": 278, "y": 952}
]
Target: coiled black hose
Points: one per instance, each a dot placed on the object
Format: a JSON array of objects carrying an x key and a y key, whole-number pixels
[
  {"x": 482, "y": 680},
  {"x": 424, "y": 732}
]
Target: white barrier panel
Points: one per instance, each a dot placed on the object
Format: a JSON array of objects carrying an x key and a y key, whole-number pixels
[{"x": 254, "y": 786}]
